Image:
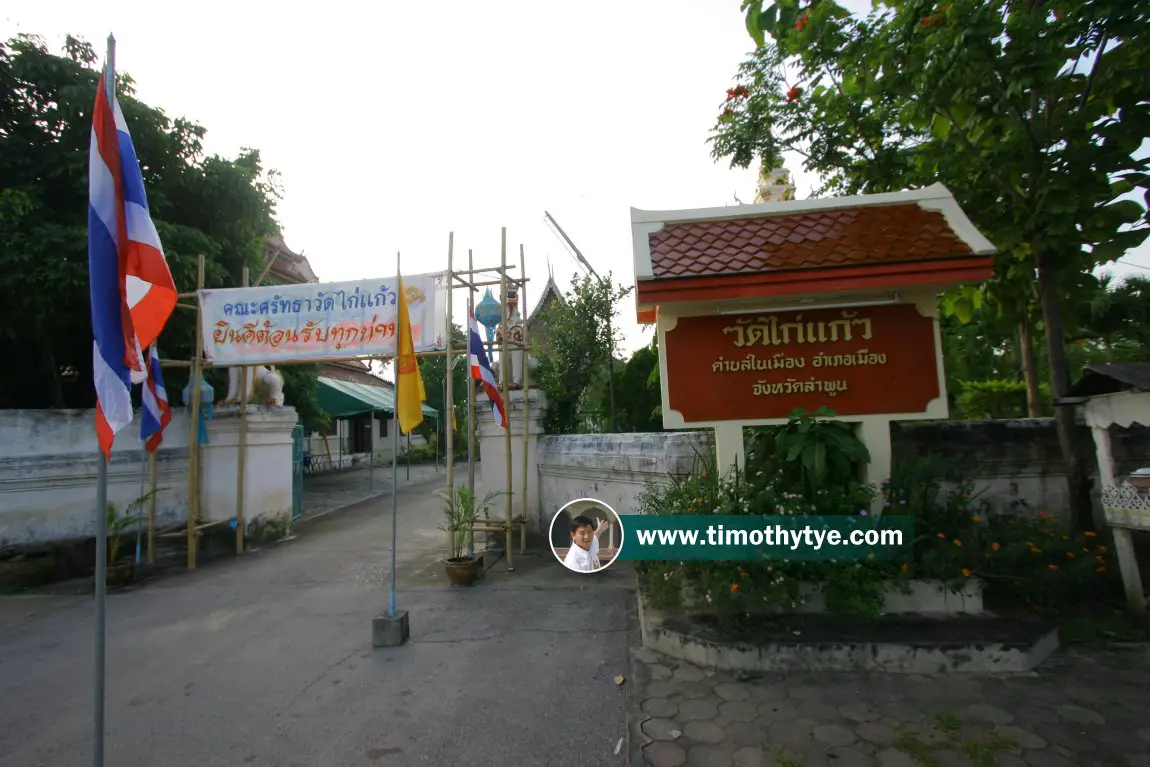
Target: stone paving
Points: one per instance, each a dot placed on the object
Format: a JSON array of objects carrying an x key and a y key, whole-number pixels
[{"x": 1084, "y": 708}]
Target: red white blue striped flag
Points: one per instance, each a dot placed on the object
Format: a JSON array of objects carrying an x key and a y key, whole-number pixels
[
  {"x": 481, "y": 370},
  {"x": 132, "y": 291},
  {"x": 157, "y": 413}
]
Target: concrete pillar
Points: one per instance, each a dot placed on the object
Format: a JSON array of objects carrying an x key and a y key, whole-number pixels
[
  {"x": 525, "y": 409},
  {"x": 267, "y": 466},
  {"x": 875, "y": 434},
  {"x": 729, "y": 448}
]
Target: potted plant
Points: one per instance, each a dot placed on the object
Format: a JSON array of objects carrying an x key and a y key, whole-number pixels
[
  {"x": 460, "y": 510},
  {"x": 121, "y": 569}
]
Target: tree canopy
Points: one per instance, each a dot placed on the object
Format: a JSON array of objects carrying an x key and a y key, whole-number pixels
[
  {"x": 201, "y": 204},
  {"x": 582, "y": 336},
  {"x": 1031, "y": 112}
]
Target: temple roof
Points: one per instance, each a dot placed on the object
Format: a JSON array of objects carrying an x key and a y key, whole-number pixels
[{"x": 805, "y": 246}]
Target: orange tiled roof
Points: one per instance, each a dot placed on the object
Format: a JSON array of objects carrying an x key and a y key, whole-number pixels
[{"x": 859, "y": 236}]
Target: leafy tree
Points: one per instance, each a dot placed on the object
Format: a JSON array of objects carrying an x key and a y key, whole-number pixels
[
  {"x": 200, "y": 204},
  {"x": 1030, "y": 112},
  {"x": 578, "y": 344},
  {"x": 433, "y": 370},
  {"x": 637, "y": 395}
]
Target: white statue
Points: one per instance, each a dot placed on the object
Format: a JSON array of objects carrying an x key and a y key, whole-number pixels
[
  {"x": 775, "y": 186},
  {"x": 263, "y": 380},
  {"x": 512, "y": 328}
]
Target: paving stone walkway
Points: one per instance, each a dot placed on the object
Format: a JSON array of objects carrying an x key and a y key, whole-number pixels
[{"x": 1084, "y": 708}]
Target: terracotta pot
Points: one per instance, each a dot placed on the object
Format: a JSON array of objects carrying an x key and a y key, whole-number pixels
[{"x": 462, "y": 571}]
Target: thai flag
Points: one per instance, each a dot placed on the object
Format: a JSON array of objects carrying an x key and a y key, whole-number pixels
[
  {"x": 132, "y": 291},
  {"x": 481, "y": 370},
  {"x": 157, "y": 413}
]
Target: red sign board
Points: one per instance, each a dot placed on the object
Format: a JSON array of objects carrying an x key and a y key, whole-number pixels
[{"x": 856, "y": 361}]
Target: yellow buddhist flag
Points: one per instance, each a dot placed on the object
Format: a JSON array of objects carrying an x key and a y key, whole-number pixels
[{"x": 410, "y": 394}]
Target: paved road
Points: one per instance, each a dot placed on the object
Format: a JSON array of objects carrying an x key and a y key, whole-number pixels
[{"x": 268, "y": 661}]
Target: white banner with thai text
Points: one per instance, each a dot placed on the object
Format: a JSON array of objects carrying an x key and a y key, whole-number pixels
[{"x": 277, "y": 324}]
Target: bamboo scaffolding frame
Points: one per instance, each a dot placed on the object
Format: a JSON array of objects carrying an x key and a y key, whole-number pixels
[
  {"x": 470, "y": 407},
  {"x": 504, "y": 376},
  {"x": 194, "y": 430},
  {"x": 199, "y": 363},
  {"x": 242, "y": 447},
  {"x": 448, "y": 395}
]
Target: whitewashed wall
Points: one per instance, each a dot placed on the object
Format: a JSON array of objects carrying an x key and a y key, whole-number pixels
[
  {"x": 48, "y": 462},
  {"x": 48, "y": 466},
  {"x": 612, "y": 468}
]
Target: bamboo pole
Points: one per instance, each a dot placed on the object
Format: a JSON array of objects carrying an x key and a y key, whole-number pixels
[
  {"x": 525, "y": 390},
  {"x": 152, "y": 508},
  {"x": 448, "y": 390},
  {"x": 471, "y": 410},
  {"x": 504, "y": 376},
  {"x": 241, "y": 461},
  {"x": 194, "y": 438}
]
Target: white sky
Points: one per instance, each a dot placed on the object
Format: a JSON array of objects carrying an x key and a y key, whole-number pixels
[{"x": 393, "y": 124}]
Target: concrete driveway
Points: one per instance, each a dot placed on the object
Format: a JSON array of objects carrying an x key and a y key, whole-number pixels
[{"x": 267, "y": 661}]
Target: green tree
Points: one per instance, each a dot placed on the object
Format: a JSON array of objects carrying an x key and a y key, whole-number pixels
[
  {"x": 637, "y": 395},
  {"x": 1032, "y": 114},
  {"x": 579, "y": 341},
  {"x": 201, "y": 204},
  {"x": 433, "y": 370}
]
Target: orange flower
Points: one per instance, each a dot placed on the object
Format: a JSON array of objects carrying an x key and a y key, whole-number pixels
[
  {"x": 734, "y": 587},
  {"x": 742, "y": 574},
  {"x": 802, "y": 22},
  {"x": 976, "y": 519},
  {"x": 1070, "y": 555},
  {"x": 995, "y": 546},
  {"x": 905, "y": 567},
  {"x": 1103, "y": 549},
  {"x": 1100, "y": 560},
  {"x": 1089, "y": 534},
  {"x": 1052, "y": 567},
  {"x": 793, "y": 94},
  {"x": 965, "y": 573},
  {"x": 957, "y": 542}
]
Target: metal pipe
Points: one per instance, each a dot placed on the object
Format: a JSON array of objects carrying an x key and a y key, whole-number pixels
[
  {"x": 526, "y": 391},
  {"x": 470, "y": 405}
]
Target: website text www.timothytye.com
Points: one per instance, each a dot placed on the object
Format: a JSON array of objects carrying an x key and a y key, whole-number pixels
[{"x": 776, "y": 536}]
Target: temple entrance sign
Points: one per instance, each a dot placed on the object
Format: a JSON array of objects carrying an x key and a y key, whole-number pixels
[{"x": 764, "y": 308}]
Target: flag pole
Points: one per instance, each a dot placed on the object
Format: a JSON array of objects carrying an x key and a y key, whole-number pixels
[
  {"x": 395, "y": 455},
  {"x": 101, "y": 514}
]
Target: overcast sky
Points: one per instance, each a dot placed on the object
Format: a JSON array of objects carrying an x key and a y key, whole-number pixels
[{"x": 393, "y": 124}]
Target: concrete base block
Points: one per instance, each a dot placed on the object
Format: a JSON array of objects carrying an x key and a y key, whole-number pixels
[{"x": 390, "y": 630}]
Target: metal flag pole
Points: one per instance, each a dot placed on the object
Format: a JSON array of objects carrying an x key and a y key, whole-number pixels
[
  {"x": 395, "y": 455},
  {"x": 101, "y": 514}
]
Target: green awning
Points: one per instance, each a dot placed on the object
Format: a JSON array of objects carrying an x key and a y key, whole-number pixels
[{"x": 343, "y": 399}]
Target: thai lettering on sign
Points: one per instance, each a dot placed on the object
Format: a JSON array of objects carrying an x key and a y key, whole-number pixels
[
  {"x": 277, "y": 324},
  {"x": 857, "y": 361}
]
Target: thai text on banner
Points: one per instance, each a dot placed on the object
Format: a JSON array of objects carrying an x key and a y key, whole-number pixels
[{"x": 276, "y": 324}]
